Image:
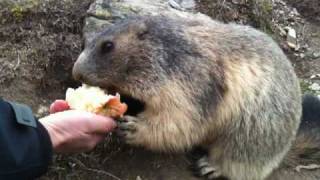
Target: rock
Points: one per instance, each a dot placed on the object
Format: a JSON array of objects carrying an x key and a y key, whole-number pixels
[
  {"x": 175, "y": 5},
  {"x": 187, "y": 4},
  {"x": 314, "y": 87},
  {"x": 182, "y": 4},
  {"x": 305, "y": 47},
  {"x": 316, "y": 55},
  {"x": 42, "y": 110},
  {"x": 309, "y": 167},
  {"x": 103, "y": 13},
  {"x": 315, "y": 76},
  {"x": 282, "y": 31},
  {"x": 282, "y": 3},
  {"x": 295, "y": 12},
  {"x": 239, "y": 2},
  {"x": 291, "y": 37}
]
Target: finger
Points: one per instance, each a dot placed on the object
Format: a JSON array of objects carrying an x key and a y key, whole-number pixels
[
  {"x": 94, "y": 140},
  {"x": 85, "y": 144},
  {"x": 101, "y": 124},
  {"x": 97, "y": 138},
  {"x": 58, "y": 106}
]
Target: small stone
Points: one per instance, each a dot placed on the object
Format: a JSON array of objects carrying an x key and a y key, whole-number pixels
[
  {"x": 305, "y": 47},
  {"x": 138, "y": 178},
  {"x": 309, "y": 167},
  {"x": 187, "y": 4},
  {"x": 238, "y": 1},
  {"x": 174, "y": 4},
  {"x": 282, "y": 3},
  {"x": 295, "y": 12},
  {"x": 302, "y": 55},
  {"x": 291, "y": 37},
  {"x": 315, "y": 76},
  {"x": 315, "y": 87},
  {"x": 308, "y": 49},
  {"x": 42, "y": 110},
  {"x": 282, "y": 31},
  {"x": 182, "y": 4},
  {"x": 316, "y": 54}
]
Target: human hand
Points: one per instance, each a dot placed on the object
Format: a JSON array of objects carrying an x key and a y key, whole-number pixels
[{"x": 75, "y": 131}]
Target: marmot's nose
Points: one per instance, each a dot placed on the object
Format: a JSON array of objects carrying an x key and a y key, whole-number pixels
[
  {"x": 76, "y": 75},
  {"x": 77, "y": 72},
  {"x": 81, "y": 68}
]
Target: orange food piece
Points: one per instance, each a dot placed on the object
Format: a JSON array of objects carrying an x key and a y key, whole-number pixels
[{"x": 113, "y": 108}]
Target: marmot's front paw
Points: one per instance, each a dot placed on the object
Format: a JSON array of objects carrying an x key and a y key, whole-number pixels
[{"x": 127, "y": 129}]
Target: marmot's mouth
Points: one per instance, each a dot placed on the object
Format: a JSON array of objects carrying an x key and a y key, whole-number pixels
[{"x": 135, "y": 106}]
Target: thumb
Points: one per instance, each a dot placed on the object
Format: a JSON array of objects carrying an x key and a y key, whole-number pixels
[
  {"x": 101, "y": 124},
  {"x": 58, "y": 106}
]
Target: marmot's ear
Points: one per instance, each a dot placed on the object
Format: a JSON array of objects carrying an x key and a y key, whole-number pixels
[{"x": 141, "y": 29}]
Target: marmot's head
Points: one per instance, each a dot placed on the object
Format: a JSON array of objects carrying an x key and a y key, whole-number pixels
[{"x": 134, "y": 57}]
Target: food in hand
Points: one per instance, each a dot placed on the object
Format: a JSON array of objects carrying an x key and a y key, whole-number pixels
[{"x": 95, "y": 100}]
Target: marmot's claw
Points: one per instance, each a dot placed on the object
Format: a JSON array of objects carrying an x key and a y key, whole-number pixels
[
  {"x": 126, "y": 128},
  {"x": 202, "y": 168}
]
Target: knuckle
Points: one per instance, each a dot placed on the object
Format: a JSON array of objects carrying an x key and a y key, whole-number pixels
[{"x": 91, "y": 145}]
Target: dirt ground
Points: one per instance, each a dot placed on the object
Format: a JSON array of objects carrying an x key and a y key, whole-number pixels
[
  {"x": 310, "y": 11},
  {"x": 39, "y": 42}
]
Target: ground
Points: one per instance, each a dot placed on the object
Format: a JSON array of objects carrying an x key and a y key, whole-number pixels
[{"x": 40, "y": 40}]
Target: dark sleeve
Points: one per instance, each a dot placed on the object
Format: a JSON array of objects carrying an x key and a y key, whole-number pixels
[{"x": 25, "y": 151}]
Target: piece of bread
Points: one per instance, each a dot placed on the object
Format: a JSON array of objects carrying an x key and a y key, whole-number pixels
[{"x": 95, "y": 100}]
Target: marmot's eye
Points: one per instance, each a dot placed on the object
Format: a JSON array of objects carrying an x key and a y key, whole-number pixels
[{"x": 107, "y": 46}]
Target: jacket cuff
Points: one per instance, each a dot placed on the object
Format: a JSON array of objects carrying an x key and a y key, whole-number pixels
[{"x": 45, "y": 143}]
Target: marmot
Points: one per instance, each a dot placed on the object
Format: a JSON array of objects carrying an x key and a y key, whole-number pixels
[{"x": 191, "y": 82}]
